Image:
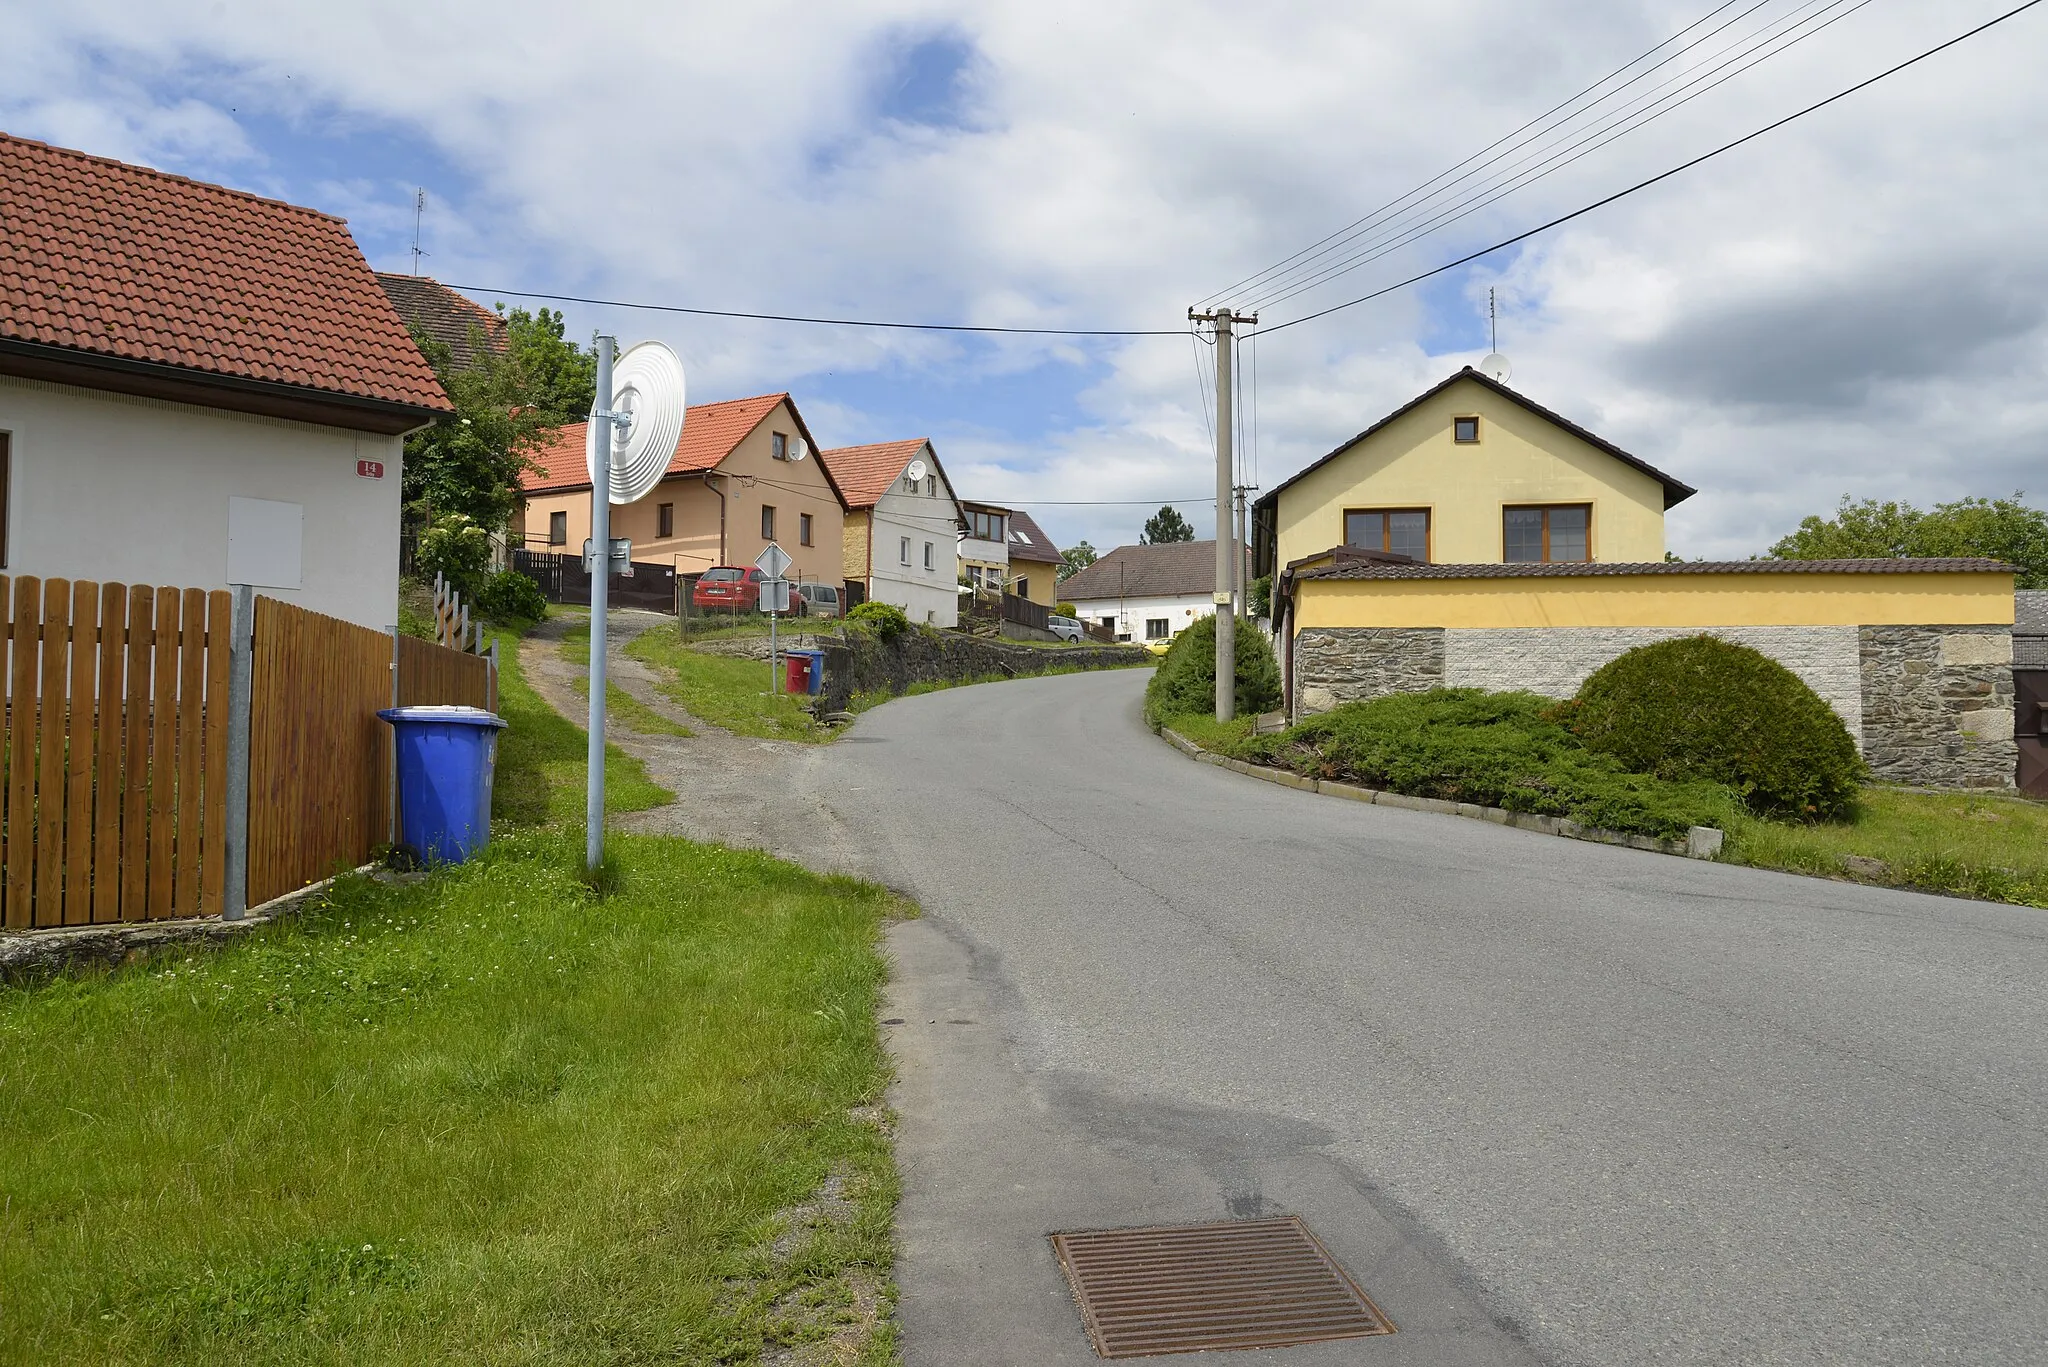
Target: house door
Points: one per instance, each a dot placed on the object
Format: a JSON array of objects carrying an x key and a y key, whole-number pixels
[{"x": 2030, "y": 734}]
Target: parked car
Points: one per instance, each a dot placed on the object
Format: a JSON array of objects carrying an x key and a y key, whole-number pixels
[
  {"x": 818, "y": 600},
  {"x": 1160, "y": 646},
  {"x": 736, "y": 588},
  {"x": 1066, "y": 628}
]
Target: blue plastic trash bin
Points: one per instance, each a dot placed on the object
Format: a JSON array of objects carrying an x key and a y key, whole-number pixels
[
  {"x": 816, "y": 675},
  {"x": 446, "y": 757}
]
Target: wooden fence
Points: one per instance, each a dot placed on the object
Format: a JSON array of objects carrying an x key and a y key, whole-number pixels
[
  {"x": 114, "y": 763},
  {"x": 116, "y": 752}
]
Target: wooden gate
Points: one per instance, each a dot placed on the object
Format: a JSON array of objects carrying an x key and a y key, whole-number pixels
[
  {"x": 115, "y": 752},
  {"x": 2030, "y": 729}
]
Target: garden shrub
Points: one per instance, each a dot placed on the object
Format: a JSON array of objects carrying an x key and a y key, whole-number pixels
[
  {"x": 1186, "y": 678},
  {"x": 1701, "y": 707},
  {"x": 509, "y": 596},
  {"x": 886, "y": 620},
  {"x": 1066, "y": 610},
  {"x": 458, "y": 549},
  {"x": 1492, "y": 749}
]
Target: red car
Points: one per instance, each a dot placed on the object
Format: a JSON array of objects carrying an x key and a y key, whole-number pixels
[{"x": 731, "y": 587}]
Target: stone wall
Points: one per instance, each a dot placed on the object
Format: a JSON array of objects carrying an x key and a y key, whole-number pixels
[
  {"x": 1937, "y": 705},
  {"x": 868, "y": 664},
  {"x": 1334, "y": 665},
  {"x": 1554, "y": 661}
]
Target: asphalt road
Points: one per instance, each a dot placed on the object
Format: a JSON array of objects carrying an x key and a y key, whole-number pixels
[{"x": 1549, "y": 1101}]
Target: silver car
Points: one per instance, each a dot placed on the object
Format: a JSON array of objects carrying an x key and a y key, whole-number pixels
[
  {"x": 820, "y": 600},
  {"x": 1066, "y": 628}
]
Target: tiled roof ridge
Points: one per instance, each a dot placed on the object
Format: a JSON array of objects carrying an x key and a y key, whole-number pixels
[
  {"x": 569, "y": 441},
  {"x": 1584, "y": 569},
  {"x": 155, "y": 174}
]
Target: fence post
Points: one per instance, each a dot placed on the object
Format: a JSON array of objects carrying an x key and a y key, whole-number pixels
[
  {"x": 241, "y": 679},
  {"x": 493, "y": 695},
  {"x": 391, "y": 801}
]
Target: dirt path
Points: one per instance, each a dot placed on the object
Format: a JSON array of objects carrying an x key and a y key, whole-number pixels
[{"x": 735, "y": 790}]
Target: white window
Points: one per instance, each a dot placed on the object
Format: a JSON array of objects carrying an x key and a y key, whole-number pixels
[
  {"x": 903, "y": 550},
  {"x": 927, "y": 555}
]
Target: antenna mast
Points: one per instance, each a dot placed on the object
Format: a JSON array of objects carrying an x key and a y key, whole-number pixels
[
  {"x": 419, "y": 209},
  {"x": 1492, "y": 320}
]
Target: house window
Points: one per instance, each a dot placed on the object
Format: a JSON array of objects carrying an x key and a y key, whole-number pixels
[
  {"x": 803, "y": 529},
  {"x": 931, "y": 486},
  {"x": 558, "y": 529},
  {"x": 5, "y": 472},
  {"x": 1546, "y": 536},
  {"x": 1464, "y": 431},
  {"x": 1403, "y": 531},
  {"x": 903, "y": 550},
  {"x": 1156, "y": 628},
  {"x": 927, "y": 555},
  {"x": 1023, "y": 588},
  {"x": 778, "y": 446},
  {"x": 665, "y": 519},
  {"x": 988, "y": 526},
  {"x": 1108, "y": 623},
  {"x": 767, "y": 522}
]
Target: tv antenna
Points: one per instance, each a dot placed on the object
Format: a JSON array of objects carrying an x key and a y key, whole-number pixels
[
  {"x": 1495, "y": 367},
  {"x": 419, "y": 209}
]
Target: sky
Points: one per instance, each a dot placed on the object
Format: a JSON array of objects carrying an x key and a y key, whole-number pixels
[{"x": 1850, "y": 305}]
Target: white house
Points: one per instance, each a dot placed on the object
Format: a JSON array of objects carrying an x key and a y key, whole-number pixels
[
  {"x": 177, "y": 359},
  {"x": 1146, "y": 593},
  {"x": 902, "y": 524}
]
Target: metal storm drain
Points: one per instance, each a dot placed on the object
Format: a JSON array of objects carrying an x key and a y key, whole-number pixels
[{"x": 1195, "y": 1288}]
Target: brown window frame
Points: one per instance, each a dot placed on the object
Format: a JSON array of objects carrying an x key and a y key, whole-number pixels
[
  {"x": 6, "y": 487},
  {"x": 558, "y": 518},
  {"x": 1546, "y": 509},
  {"x": 778, "y": 446},
  {"x": 1472, "y": 440},
  {"x": 1387, "y": 532},
  {"x": 803, "y": 529},
  {"x": 767, "y": 521},
  {"x": 664, "y": 519}
]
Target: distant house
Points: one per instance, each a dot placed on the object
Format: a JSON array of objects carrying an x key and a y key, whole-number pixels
[
  {"x": 902, "y": 525},
  {"x": 985, "y": 546},
  {"x": 182, "y": 364},
  {"x": 1034, "y": 561},
  {"x": 1146, "y": 593},
  {"x": 441, "y": 315},
  {"x": 741, "y": 477}
]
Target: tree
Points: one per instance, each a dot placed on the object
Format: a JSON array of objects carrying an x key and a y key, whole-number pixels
[
  {"x": 1999, "y": 528},
  {"x": 1165, "y": 525},
  {"x": 1074, "y": 559},
  {"x": 507, "y": 404}
]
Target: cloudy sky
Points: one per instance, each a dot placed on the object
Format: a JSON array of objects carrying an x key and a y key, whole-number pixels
[{"x": 1853, "y": 304}]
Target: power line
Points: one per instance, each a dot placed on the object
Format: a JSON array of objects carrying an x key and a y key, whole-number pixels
[
  {"x": 1662, "y": 175},
  {"x": 823, "y": 322}
]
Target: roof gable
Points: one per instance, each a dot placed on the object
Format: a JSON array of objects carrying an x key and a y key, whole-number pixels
[
  {"x": 1675, "y": 491},
  {"x": 1172, "y": 569},
  {"x": 441, "y": 314},
  {"x": 133, "y": 271},
  {"x": 711, "y": 431},
  {"x": 1028, "y": 540}
]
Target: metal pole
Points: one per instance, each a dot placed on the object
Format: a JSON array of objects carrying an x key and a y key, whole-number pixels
[
  {"x": 241, "y": 679},
  {"x": 774, "y": 684},
  {"x": 1237, "y": 582},
  {"x": 1226, "y": 621},
  {"x": 391, "y": 750},
  {"x": 600, "y": 592}
]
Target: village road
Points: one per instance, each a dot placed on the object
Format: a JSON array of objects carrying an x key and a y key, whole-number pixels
[{"x": 1550, "y": 1101}]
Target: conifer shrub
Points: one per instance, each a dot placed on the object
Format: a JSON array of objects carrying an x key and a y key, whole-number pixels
[
  {"x": 1186, "y": 679},
  {"x": 1701, "y": 707}
]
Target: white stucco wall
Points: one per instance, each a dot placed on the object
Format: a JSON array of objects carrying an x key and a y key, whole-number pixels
[
  {"x": 120, "y": 489},
  {"x": 1132, "y": 613},
  {"x": 926, "y": 595}
]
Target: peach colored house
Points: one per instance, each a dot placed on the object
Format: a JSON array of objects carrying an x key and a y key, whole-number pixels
[{"x": 731, "y": 488}]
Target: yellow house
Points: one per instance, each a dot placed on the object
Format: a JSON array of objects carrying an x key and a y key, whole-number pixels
[
  {"x": 1471, "y": 472},
  {"x": 743, "y": 474}
]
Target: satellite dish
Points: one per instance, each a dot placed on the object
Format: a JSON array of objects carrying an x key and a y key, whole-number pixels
[
  {"x": 1495, "y": 367},
  {"x": 798, "y": 448},
  {"x": 647, "y": 382},
  {"x": 917, "y": 470}
]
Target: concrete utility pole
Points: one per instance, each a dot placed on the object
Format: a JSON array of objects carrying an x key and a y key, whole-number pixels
[
  {"x": 1226, "y": 541},
  {"x": 1238, "y": 581},
  {"x": 601, "y": 420}
]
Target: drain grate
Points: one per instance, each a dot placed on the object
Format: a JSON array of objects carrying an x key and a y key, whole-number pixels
[{"x": 1195, "y": 1288}]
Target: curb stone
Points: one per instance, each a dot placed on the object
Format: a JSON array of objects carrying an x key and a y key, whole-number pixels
[{"x": 1701, "y": 842}]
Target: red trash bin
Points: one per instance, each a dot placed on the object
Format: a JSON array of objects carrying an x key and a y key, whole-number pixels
[{"x": 796, "y": 672}]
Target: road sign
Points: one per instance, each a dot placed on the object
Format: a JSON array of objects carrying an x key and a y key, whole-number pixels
[
  {"x": 773, "y": 561},
  {"x": 774, "y": 594},
  {"x": 622, "y": 555}
]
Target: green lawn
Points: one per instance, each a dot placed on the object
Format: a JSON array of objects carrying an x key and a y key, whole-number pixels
[
  {"x": 724, "y": 691},
  {"x": 542, "y": 759},
  {"x": 483, "y": 1119},
  {"x": 628, "y": 710}
]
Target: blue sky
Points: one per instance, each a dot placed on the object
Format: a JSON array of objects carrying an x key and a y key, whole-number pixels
[{"x": 1807, "y": 319}]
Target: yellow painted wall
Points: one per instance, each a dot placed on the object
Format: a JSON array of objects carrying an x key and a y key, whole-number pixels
[
  {"x": 1044, "y": 580},
  {"x": 853, "y": 561},
  {"x": 1660, "y": 600},
  {"x": 1519, "y": 458}
]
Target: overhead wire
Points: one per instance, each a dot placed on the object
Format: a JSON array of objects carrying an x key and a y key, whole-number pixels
[
  {"x": 1555, "y": 158},
  {"x": 1661, "y": 176}
]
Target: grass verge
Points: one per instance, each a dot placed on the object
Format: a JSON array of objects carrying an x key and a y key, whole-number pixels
[
  {"x": 485, "y": 1118},
  {"x": 723, "y": 690},
  {"x": 627, "y": 709},
  {"x": 543, "y": 757}
]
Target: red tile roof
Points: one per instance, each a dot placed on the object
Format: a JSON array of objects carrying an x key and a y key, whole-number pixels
[
  {"x": 710, "y": 432},
  {"x": 864, "y": 473},
  {"x": 119, "y": 261}
]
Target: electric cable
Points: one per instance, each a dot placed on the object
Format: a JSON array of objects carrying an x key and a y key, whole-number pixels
[
  {"x": 1660, "y": 176},
  {"x": 823, "y": 322}
]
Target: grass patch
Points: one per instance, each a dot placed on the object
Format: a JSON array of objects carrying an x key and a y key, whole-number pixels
[
  {"x": 543, "y": 759},
  {"x": 636, "y": 715},
  {"x": 1965, "y": 844},
  {"x": 479, "y": 1119},
  {"x": 724, "y": 691}
]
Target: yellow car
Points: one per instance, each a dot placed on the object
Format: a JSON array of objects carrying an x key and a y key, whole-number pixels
[{"x": 1159, "y": 647}]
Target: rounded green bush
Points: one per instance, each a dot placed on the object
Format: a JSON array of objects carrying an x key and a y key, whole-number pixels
[
  {"x": 509, "y": 596},
  {"x": 886, "y": 620},
  {"x": 1701, "y": 707},
  {"x": 1185, "y": 682}
]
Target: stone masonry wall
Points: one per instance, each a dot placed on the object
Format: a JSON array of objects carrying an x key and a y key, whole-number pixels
[
  {"x": 1937, "y": 705},
  {"x": 1554, "y": 661},
  {"x": 863, "y": 664},
  {"x": 1334, "y": 665}
]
